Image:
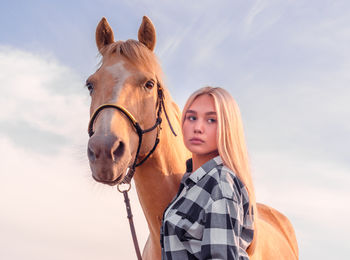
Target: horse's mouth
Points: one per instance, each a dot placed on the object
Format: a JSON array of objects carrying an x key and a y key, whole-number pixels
[{"x": 111, "y": 183}]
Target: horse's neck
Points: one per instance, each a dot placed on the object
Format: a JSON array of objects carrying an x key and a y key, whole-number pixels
[{"x": 157, "y": 180}]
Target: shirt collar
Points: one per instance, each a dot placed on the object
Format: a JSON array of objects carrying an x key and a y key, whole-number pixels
[{"x": 198, "y": 174}]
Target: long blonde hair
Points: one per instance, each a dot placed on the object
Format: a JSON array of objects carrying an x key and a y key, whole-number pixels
[{"x": 231, "y": 142}]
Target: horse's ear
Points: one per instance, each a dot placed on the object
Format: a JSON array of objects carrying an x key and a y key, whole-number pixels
[
  {"x": 104, "y": 34},
  {"x": 147, "y": 33}
]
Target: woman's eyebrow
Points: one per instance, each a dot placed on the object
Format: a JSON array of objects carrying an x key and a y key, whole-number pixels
[
  {"x": 211, "y": 113},
  {"x": 191, "y": 111},
  {"x": 206, "y": 113}
]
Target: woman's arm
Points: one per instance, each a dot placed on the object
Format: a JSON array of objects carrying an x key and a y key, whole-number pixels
[{"x": 222, "y": 229}]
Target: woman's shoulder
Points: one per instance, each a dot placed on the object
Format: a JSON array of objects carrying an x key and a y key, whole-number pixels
[{"x": 231, "y": 187}]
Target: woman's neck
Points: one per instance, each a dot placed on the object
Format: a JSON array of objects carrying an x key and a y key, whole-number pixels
[{"x": 199, "y": 159}]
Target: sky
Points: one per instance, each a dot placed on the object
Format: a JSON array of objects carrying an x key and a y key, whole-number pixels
[{"x": 285, "y": 62}]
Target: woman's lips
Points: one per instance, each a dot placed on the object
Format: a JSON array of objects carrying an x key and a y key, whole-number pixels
[{"x": 196, "y": 140}]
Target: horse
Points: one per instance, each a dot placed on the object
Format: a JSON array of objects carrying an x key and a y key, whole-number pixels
[{"x": 130, "y": 79}]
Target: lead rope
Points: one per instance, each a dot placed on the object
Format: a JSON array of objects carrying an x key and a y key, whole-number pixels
[
  {"x": 130, "y": 218},
  {"x": 131, "y": 171}
]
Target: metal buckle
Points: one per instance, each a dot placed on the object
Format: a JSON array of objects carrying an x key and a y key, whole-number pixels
[{"x": 122, "y": 187}]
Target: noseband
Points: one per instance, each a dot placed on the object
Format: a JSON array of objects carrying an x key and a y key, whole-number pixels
[{"x": 140, "y": 132}]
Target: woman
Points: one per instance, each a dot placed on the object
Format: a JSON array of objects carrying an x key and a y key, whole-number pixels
[{"x": 211, "y": 217}]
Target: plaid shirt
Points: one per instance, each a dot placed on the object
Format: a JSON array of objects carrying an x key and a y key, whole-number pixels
[{"x": 208, "y": 218}]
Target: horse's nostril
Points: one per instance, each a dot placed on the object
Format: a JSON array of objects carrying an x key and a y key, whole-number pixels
[
  {"x": 119, "y": 151},
  {"x": 91, "y": 154}
]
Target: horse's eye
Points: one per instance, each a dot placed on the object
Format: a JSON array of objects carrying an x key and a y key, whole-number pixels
[
  {"x": 149, "y": 84},
  {"x": 90, "y": 87}
]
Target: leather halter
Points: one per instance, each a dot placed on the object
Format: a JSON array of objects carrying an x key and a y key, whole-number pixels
[{"x": 140, "y": 132}]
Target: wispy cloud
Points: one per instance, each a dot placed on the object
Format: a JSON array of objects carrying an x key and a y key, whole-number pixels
[
  {"x": 262, "y": 15},
  {"x": 255, "y": 10}
]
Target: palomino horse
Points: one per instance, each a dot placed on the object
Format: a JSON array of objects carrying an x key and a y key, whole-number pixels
[{"x": 131, "y": 78}]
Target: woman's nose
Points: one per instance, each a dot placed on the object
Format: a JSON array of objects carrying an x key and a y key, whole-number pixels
[{"x": 198, "y": 127}]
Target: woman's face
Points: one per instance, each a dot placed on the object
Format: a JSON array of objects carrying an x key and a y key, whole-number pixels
[{"x": 200, "y": 126}]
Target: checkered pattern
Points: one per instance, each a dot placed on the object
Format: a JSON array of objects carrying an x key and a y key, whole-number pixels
[{"x": 208, "y": 218}]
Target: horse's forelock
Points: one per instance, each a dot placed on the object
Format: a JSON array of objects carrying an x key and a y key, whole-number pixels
[
  {"x": 136, "y": 52},
  {"x": 139, "y": 55}
]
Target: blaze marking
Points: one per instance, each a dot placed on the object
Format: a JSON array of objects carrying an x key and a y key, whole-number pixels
[{"x": 119, "y": 73}]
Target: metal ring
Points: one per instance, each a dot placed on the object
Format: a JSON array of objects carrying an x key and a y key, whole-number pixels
[{"x": 121, "y": 190}]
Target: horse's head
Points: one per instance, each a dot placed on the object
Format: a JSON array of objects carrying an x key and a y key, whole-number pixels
[{"x": 128, "y": 77}]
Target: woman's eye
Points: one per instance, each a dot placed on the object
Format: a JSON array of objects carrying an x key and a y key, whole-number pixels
[
  {"x": 90, "y": 87},
  {"x": 191, "y": 118},
  {"x": 211, "y": 120},
  {"x": 149, "y": 84}
]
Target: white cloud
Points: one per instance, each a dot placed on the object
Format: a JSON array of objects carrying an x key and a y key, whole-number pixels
[
  {"x": 41, "y": 91},
  {"x": 49, "y": 202}
]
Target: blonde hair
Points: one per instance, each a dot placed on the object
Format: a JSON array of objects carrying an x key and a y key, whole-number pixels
[{"x": 231, "y": 142}]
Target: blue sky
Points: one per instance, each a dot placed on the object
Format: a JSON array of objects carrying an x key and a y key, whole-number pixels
[{"x": 286, "y": 63}]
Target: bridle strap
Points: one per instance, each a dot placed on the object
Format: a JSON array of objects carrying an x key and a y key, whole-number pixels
[{"x": 121, "y": 109}]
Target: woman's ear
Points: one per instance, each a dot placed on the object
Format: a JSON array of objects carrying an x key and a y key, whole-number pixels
[
  {"x": 104, "y": 34},
  {"x": 147, "y": 33}
]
